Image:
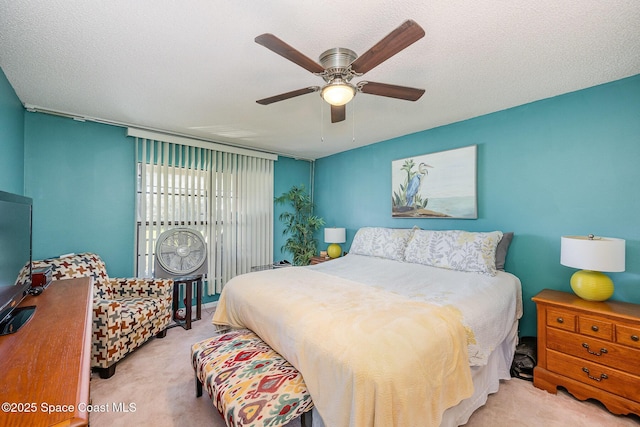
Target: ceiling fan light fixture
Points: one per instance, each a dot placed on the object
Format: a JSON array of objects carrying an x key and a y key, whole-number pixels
[
  {"x": 337, "y": 66},
  {"x": 338, "y": 92}
]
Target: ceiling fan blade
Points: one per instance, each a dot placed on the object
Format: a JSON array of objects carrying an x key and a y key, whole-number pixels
[
  {"x": 391, "y": 91},
  {"x": 338, "y": 113},
  {"x": 403, "y": 36},
  {"x": 283, "y": 96},
  {"x": 276, "y": 45}
]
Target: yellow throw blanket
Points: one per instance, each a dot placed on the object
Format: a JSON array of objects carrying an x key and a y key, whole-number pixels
[{"x": 369, "y": 357}]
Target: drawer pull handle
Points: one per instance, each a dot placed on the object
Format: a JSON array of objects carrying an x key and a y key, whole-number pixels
[
  {"x": 594, "y": 328},
  {"x": 602, "y": 350},
  {"x": 635, "y": 338},
  {"x": 560, "y": 320},
  {"x": 602, "y": 376}
]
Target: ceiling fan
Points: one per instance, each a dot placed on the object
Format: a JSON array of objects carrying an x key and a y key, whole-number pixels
[{"x": 340, "y": 65}]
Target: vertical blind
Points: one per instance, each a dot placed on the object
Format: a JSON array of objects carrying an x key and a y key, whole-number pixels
[{"x": 226, "y": 196}]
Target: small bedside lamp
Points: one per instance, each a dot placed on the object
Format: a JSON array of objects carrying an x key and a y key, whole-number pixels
[
  {"x": 593, "y": 255},
  {"x": 334, "y": 236}
]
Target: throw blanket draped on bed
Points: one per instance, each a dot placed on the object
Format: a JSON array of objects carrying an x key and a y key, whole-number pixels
[{"x": 369, "y": 357}]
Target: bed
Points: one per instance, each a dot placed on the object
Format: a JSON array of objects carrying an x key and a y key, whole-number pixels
[{"x": 412, "y": 327}]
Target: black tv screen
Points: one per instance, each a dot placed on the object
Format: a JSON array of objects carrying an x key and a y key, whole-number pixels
[{"x": 15, "y": 254}]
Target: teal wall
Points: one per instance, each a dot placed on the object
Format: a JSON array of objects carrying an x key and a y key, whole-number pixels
[
  {"x": 81, "y": 178},
  {"x": 11, "y": 139},
  {"x": 564, "y": 165}
]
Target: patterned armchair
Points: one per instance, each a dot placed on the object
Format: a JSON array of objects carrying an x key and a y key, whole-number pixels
[{"x": 126, "y": 312}]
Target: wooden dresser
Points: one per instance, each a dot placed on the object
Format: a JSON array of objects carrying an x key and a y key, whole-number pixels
[
  {"x": 590, "y": 348},
  {"x": 45, "y": 367}
]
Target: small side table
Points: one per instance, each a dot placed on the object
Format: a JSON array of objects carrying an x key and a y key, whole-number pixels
[
  {"x": 318, "y": 259},
  {"x": 188, "y": 282}
]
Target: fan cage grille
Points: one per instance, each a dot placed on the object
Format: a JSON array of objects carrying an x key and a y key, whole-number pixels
[{"x": 180, "y": 252}]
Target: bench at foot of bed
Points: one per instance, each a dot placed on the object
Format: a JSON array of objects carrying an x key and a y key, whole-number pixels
[{"x": 249, "y": 383}]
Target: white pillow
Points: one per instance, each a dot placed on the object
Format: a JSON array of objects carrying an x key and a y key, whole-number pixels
[
  {"x": 381, "y": 242},
  {"x": 455, "y": 250}
]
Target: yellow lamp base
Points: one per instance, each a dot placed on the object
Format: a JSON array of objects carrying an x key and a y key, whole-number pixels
[
  {"x": 334, "y": 250},
  {"x": 592, "y": 285}
]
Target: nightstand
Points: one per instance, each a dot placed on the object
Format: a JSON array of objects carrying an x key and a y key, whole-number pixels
[
  {"x": 319, "y": 259},
  {"x": 592, "y": 349}
]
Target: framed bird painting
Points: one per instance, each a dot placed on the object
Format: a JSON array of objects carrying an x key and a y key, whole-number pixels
[{"x": 435, "y": 185}]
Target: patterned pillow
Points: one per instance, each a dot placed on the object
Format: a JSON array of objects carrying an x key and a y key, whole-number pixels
[
  {"x": 455, "y": 250},
  {"x": 381, "y": 242}
]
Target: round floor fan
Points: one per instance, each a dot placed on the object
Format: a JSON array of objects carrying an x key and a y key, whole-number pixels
[{"x": 180, "y": 252}]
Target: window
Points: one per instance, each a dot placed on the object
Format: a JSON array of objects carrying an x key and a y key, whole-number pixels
[
  {"x": 228, "y": 197},
  {"x": 171, "y": 201}
]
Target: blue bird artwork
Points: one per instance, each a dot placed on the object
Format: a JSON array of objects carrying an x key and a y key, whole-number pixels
[{"x": 416, "y": 182}]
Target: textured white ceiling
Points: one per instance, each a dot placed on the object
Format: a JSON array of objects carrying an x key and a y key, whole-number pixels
[{"x": 192, "y": 67}]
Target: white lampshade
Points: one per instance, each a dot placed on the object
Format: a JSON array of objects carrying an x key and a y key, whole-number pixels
[
  {"x": 593, "y": 253},
  {"x": 335, "y": 235},
  {"x": 338, "y": 93}
]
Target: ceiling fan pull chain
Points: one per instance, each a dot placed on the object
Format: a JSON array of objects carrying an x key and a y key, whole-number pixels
[
  {"x": 353, "y": 120},
  {"x": 321, "y": 121}
]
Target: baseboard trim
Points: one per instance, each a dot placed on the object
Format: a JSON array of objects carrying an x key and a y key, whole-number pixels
[{"x": 212, "y": 304}]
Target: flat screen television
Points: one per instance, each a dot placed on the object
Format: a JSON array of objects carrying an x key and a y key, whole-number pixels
[{"x": 15, "y": 260}]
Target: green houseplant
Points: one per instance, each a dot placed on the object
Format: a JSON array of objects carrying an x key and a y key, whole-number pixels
[{"x": 299, "y": 224}]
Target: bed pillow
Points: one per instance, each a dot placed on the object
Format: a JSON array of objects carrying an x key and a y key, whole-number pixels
[
  {"x": 381, "y": 242},
  {"x": 455, "y": 250},
  {"x": 501, "y": 250}
]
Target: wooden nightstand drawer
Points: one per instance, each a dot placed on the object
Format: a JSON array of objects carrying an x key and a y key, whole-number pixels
[
  {"x": 593, "y": 374},
  {"x": 595, "y": 350},
  {"x": 590, "y": 348},
  {"x": 561, "y": 319},
  {"x": 595, "y": 327},
  {"x": 628, "y": 336}
]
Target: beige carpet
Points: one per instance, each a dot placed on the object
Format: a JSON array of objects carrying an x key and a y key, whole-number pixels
[{"x": 155, "y": 384}]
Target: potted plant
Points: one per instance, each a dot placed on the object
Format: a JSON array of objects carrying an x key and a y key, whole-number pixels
[{"x": 300, "y": 225}]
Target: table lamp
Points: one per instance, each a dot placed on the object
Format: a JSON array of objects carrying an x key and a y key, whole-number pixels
[
  {"x": 334, "y": 236},
  {"x": 592, "y": 255}
]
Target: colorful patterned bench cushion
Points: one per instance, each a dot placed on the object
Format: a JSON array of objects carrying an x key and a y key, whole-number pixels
[{"x": 250, "y": 384}]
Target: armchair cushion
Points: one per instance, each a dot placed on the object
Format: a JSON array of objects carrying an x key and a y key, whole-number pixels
[
  {"x": 139, "y": 311},
  {"x": 140, "y": 288}
]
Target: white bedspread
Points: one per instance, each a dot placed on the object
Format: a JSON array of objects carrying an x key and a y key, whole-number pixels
[
  {"x": 489, "y": 305},
  {"x": 379, "y": 342}
]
